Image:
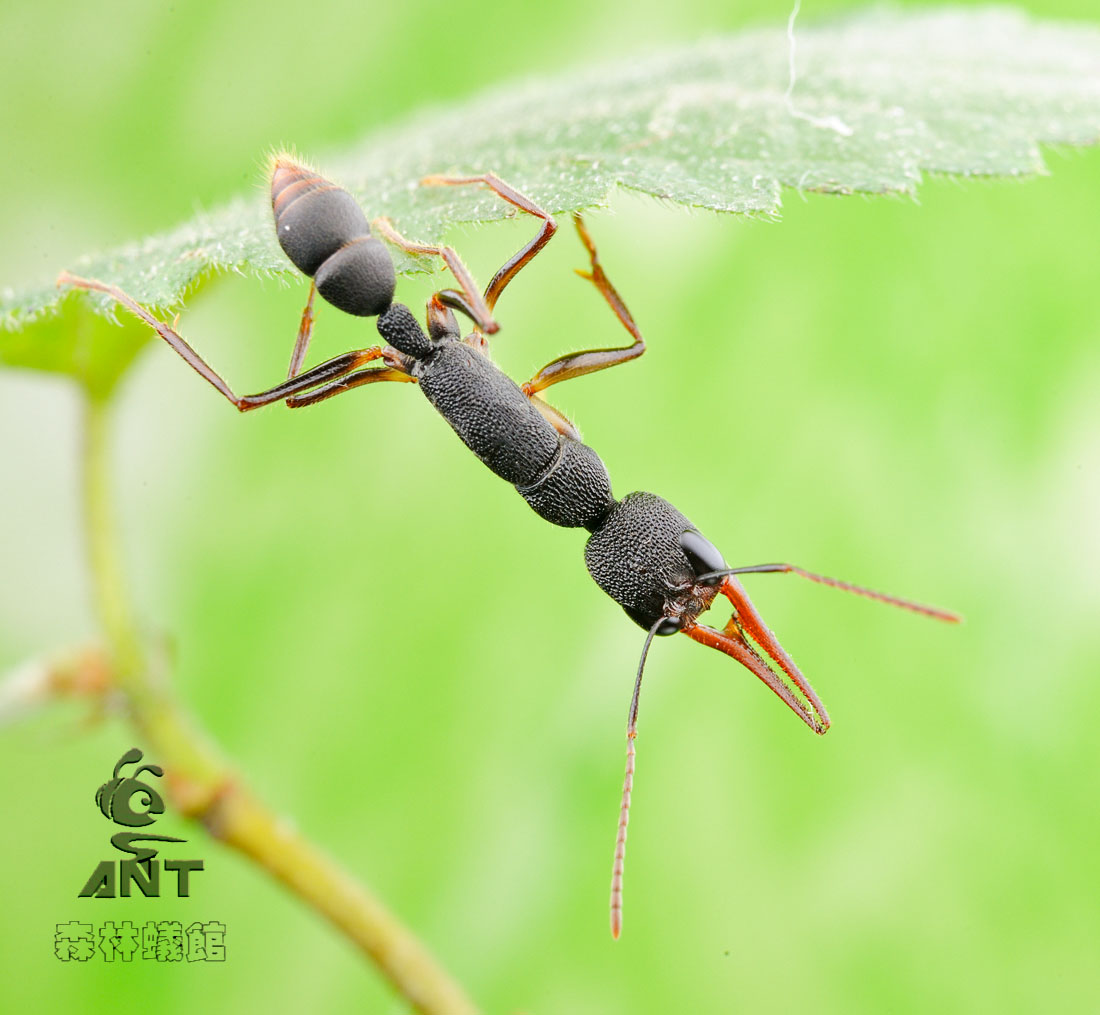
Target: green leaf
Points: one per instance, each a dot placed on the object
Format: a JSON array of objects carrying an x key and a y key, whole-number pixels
[
  {"x": 877, "y": 99},
  {"x": 71, "y": 341}
]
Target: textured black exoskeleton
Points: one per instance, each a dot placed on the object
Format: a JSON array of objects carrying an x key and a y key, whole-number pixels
[{"x": 641, "y": 551}]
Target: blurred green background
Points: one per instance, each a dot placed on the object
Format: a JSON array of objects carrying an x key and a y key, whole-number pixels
[{"x": 404, "y": 658}]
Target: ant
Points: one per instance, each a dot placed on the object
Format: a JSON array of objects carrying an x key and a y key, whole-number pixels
[{"x": 641, "y": 551}]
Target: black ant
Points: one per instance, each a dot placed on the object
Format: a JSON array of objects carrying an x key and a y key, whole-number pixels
[{"x": 641, "y": 551}]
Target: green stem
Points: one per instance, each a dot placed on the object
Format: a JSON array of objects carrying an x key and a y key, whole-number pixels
[
  {"x": 154, "y": 707},
  {"x": 204, "y": 787}
]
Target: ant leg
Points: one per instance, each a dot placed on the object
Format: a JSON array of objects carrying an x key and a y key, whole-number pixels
[
  {"x": 555, "y": 417},
  {"x": 590, "y": 360},
  {"x": 305, "y": 333},
  {"x": 469, "y": 300},
  {"x": 325, "y": 372},
  {"x": 338, "y": 387},
  {"x": 332, "y": 376},
  {"x": 579, "y": 363},
  {"x": 521, "y": 258}
]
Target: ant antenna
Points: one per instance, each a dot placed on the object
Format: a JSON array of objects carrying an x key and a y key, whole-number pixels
[
  {"x": 628, "y": 785},
  {"x": 906, "y": 604}
]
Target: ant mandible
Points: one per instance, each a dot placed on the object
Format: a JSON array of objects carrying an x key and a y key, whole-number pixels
[{"x": 641, "y": 551}]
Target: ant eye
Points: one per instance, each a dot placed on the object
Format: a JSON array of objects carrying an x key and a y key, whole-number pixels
[
  {"x": 670, "y": 625},
  {"x": 702, "y": 555}
]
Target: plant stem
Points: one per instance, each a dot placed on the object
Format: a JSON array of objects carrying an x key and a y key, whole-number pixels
[
  {"x": 204, "y": 787},
  {"x": 154, "y": 707}
]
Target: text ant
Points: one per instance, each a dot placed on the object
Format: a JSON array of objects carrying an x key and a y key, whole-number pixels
[{"x": 641, "y": 551}]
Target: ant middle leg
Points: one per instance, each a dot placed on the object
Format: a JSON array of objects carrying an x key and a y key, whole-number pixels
[{"x": 323, "y": 374}]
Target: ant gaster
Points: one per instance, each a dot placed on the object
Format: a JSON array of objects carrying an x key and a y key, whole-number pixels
[{"x": 641, "y": 551}]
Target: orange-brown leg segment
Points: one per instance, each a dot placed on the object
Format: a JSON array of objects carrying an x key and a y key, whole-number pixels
[
  {"x": 305, "y": 333},
  {"x": 522, "y": 257},
  {"x": 579, "y": 363},
  {"x": 469, "y": 300},
  {"x": 323, "y": 374},
  {"x": 555, "y": 417},
  {"x": 346, "y": 383}
]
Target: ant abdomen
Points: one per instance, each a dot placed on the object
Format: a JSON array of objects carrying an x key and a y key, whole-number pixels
[
  {"x": 325, "y": 234},
  {"x": 313, "y": 217}
]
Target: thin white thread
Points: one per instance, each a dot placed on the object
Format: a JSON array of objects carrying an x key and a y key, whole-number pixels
[{"x": 834, "y": 123}]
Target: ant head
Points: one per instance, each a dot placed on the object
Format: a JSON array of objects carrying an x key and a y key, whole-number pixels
[
  {"x": 648, "y": 557},
  {"x": 664, "y": 573}
]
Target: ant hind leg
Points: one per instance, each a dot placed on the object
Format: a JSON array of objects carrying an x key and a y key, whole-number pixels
[
  {"x": 469, "y": 300},
  {"x": 525, "y": 254},
  {"x": 322, "y": 374}
]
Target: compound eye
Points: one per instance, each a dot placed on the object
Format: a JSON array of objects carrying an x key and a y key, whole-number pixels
[
  {"x": 670, "y": 625},
  {"x": 702, "y": 555}
]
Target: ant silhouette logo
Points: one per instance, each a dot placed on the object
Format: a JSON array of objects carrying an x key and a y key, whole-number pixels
[{"x": 130, "y": 802}]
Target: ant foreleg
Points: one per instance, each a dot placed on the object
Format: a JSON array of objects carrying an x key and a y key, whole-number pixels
[
  {"x": 469, "y": 300},
  {"x": 324, "y": 373},
  {"x": 524, "y": 255},
  {"x": 579, "y": 363},
  {"x": 555, "y": 417}
]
